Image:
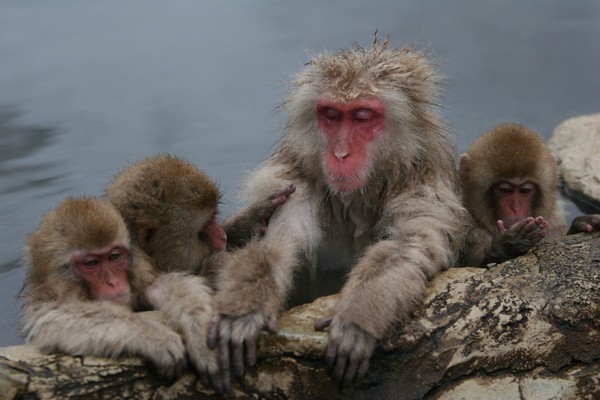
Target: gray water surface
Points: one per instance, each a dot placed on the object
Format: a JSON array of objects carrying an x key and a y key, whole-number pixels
[{"x": 86, "y": 87}]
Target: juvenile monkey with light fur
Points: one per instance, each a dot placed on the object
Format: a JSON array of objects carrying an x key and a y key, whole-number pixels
[{"x": 375, "y": 182}]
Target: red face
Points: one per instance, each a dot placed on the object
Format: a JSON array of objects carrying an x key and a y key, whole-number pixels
[
  {"x": 104, "y": 271},
  {"x": 514, "y": 202},
  {"x": 349, "y": 129},
  {"x": 214, "y": 235}
]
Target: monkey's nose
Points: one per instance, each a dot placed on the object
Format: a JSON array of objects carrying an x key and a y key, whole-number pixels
[{"x": 341, "y": 154}]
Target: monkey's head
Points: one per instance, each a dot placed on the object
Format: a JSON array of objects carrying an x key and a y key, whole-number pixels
[
  {"x": 361, "y": 113},
  {"x": 170, "y": 207},
  {"x": 82, "y": 241},
  {"x": 508, "y": 173}
]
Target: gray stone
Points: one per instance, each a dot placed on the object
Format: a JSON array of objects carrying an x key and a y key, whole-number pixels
[
  {"x": 576, "y": 144},
  {"x": 525, "y": 329}
]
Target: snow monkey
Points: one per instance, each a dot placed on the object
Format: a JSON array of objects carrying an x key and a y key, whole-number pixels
[
  {"x": 86, "y": 277},
  {"x": 170, "y": 207},
  {"x": 376, "y": 185},
  {"x": 509, "y": 185}
]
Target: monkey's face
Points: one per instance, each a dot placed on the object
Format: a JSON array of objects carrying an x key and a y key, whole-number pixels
[
  {"x": 514, "y": 200},
  {"x": 104, "y": 272},
  {"x": 349, "y": 130}
]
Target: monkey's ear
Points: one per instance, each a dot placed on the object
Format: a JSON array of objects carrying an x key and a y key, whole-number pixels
[{"x": 463, "y": 167}]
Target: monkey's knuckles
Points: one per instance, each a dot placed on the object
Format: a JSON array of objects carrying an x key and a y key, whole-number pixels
[
  {"x": 349, "y": 349},
  {"x": 168, "y": 353}
]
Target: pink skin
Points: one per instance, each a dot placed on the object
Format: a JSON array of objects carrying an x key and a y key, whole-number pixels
[
  {"x": 514, "y": 208},
  {"x": 526, "y": 224},
  {"x": 104, "y": 271},
  {"x": 585, "y": 223},
  {"x": 349, "y": 128},
  {"x": 215, "y": 235}
]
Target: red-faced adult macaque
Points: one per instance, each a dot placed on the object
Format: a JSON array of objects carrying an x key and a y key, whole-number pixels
[
  {"x": 83, "y": 281},
  {"x": 376, "y": 191},
  {"x": 509, "y": 184}
]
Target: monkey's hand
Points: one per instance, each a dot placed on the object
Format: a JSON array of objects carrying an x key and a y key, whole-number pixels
[
  {"x": 237, "y": 337},
  {"x": 205, "y": 360},
  {"x": 517, "y": 239},
  {"x": 585, "y": 223},
  {"x": 187, "y": 302},
  {"x": 163, "y": 347},
  {"x": 254, "y": 220},
  {"x": 349, "y": 349}
]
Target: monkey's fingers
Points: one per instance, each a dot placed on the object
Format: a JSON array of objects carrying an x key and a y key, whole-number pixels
[
  {"x": 250, "y": 352},
  {"x": 501, "y": 227},
  {"x": 213, "y": 333},
  {"x": 341, "y": 362},
  {"x": 350, "y": 374},
  {"x": 585, "y": 223},
  {"x": 331, "y": 352},
  {"x": 363, "y": 368},
  {"x": 541, "y": 222},
  {"x": 224, "y": 362},
  {"x": 237, "y": 358},
  {"x": 224, "y": 336},
  {"x": 222, "y": 382},
  {"x": 204, "y": 378},
  {"x": 282, "y": 195},
  {"x": 272, "y": 325},
  {"x": 323, "y": 323},
  {"x": 211, "y": 377}
]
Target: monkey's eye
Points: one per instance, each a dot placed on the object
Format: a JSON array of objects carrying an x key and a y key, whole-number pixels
[
  {"x": 332, "y": 114},
  {"x": 527, "y": 189},
  {"x": 91, "y": 262},
  {"x": 114, "y": 256},
  {"x": 363, "y": 115},
  {"x": 504, "y": 189}
]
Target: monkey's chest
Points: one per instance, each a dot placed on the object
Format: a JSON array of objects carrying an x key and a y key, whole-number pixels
[
  {"x": 340, "y": 247},
  {"x": 348, "y": 227}
]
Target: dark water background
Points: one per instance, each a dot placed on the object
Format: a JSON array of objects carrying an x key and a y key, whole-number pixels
[{"x": 86, "y": 87}]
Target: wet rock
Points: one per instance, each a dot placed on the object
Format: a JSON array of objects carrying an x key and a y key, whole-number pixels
[
  {"x": 576, "y": 142},
  {"x": 526, "y": 329}
]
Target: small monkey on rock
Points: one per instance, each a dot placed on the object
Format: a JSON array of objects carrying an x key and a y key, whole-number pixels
[{"x": 509, "y": 186}]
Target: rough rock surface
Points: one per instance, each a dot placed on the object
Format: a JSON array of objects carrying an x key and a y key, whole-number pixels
[
  {"x": 524, "y": 329},
  {"x": 576, "y": 143}
]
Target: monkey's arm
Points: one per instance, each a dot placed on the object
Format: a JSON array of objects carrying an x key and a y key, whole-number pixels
[
  {"x": 254, "y": 283},
  {"x": 186, "y": 300},
  {"x": 103, "y": 329},
  {"x": 390, "y": 279},
  {"x": 253, "y": 220}
]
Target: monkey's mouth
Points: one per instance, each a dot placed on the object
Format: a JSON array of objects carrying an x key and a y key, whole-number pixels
[
  {"x": 346, "y": 183},
  {"x": 121, "y": 298}
]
